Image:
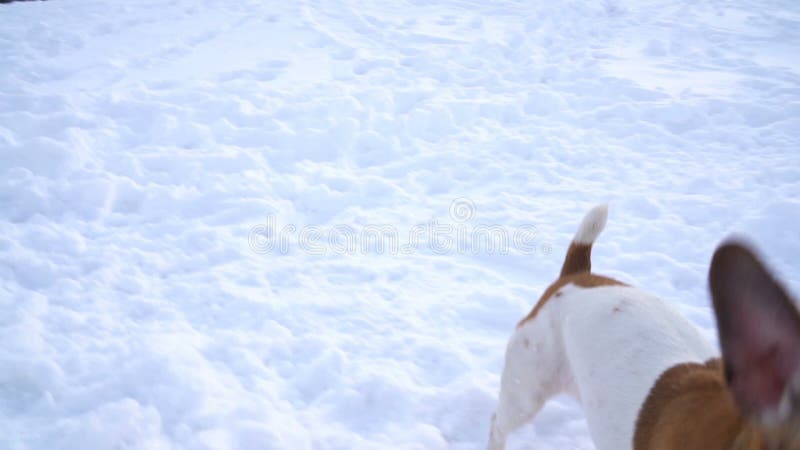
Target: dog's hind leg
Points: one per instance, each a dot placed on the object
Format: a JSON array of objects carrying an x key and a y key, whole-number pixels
[{"x": 535, "y": 370}]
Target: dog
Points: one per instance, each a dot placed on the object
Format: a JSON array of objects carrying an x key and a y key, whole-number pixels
[{"x": 646, "y": 378}]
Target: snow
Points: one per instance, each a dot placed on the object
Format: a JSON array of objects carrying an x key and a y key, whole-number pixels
[{"x": 152, "y": 151}]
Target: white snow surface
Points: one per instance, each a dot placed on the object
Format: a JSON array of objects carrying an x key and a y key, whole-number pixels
[{"x": 151, "y": 151}]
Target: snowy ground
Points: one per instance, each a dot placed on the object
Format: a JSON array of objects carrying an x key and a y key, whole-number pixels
[{"x": 153, "y": 154}]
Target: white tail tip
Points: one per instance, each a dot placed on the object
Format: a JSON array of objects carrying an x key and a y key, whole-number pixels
[{"x": 592, "y": 225}]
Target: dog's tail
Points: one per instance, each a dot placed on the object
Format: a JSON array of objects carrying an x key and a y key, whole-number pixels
[{"x": 579, "y": 255}]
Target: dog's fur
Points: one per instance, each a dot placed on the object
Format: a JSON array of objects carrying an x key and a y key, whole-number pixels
[{"x": 646, "y": 377}]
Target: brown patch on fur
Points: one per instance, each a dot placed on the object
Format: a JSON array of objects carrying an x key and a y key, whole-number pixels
[
  {"x": 578, "y": 259},
  {"x": 584, "y": 279},
  {"x": 575, "y": 270},
  {"x": 690, "y": 408}
]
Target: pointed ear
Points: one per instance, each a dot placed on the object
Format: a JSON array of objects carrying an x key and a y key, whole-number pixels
[{"x": 759, "y": 331}]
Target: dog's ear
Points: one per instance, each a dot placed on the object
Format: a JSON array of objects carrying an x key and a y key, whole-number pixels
[{"x": 759, "y": 331}]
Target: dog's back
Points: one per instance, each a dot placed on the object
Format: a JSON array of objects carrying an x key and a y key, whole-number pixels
[{"x": 618, "y": 341}]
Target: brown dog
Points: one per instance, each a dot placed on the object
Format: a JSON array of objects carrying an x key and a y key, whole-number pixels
[{"x": 645, "y": 376}]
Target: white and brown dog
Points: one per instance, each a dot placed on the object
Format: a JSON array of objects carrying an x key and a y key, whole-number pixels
[{"x": 646, "y": 377}]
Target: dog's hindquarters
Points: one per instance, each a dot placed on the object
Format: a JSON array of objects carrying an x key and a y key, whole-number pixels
[{"x": 536, "y": 368}]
